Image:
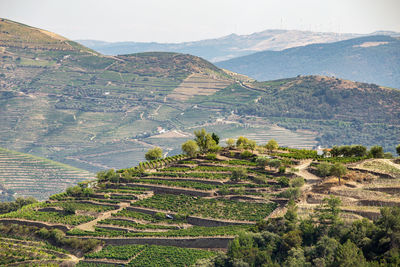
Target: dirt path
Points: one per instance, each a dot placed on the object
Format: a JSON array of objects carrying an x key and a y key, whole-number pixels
[
  {"x": 89, "y": 226},
  {"x": 310, "y": 179}
]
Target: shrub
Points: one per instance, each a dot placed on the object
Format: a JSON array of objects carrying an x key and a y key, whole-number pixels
[
  {"x": 211, "y": 156},
  {"x": 246, "y": 154},
  {"x": 282, "y": 169},
  {"x": 376, "y": 152},
  {"x": 324, "y": 169},
  {"x": 291, "y": 193},
  {"x": 238, "y": 174},
  {"x": 284, "y": 181},
  {"x": 297, "y": 182}
]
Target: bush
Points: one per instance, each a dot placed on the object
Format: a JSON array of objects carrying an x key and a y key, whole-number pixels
[
  {"x": 246, "y": 154},
  {"x": 324, "y": 169},
  {"x": 291, "y": 193},
  {"x": 238, "y": 174},
  {"x": 211, "y": 156},
  {"x": 284, "y": 181},
  {"x": 297, "y": 182},
  {"x": 282, "y": 169}
]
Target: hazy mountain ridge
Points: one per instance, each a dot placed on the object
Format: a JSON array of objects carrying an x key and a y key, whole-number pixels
[
  {"x": 226, "y": 47},
  {"x": 373, "y": 59}
]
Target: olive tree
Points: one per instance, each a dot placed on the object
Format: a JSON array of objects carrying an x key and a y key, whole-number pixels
[
  {"x": 338, "y": 170},
  {"x": 272, "y": 145},
  {"x": 154, "y": 153},
  {"x": 190, "y": 148}
]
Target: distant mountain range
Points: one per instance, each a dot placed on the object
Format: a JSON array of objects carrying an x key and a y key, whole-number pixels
[
  {"x": 372, "y": 59},
  {"x": 230, "y": 46}
]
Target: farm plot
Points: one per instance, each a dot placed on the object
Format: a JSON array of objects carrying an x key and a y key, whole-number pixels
[
  {"x": 208, "y": 208},
  {"x": 151, "y": 255},
  {"x": 28, "y": 175},
  {"x": 194, "y": 231},
  {"x": 30, "y": 212},
  {"x": 17, "y": 251},
  {"x": 381, "y": 166}
]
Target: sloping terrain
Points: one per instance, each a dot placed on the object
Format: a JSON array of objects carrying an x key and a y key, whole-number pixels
[
  {"x": 69, "y": 104},
  {"x": 28, "y": 175},
  {"x": 372, "y": 59},
  {"x": 177, "y": 202}
]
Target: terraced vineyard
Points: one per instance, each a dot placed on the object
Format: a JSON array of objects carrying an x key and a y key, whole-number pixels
[
  {"x": 167, "y": 215},
  {"x": 29, "y": 175}
]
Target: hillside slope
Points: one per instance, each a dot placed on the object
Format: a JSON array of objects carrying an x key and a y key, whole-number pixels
[
  {"x": 96, "y": 112},
  {"x": 28, "y": 175},
  {"x": 373, "y": 59}
]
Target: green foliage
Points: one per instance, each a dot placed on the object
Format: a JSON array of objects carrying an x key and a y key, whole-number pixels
[
  {"x": 246, "y": 154},
  {"x": 398, "y": 149},
  {"x": 272, "y": 145},
  {"x": 204, "y": 140},
  {"x": 238, "y": 174},
  {"x": 262, "y": 162},
  {"x": 6, "y": 207},
  {"x": 211, "y": 156},
  {"x": 274, "y": 163},
  {"x": 230, "y": 142},
  {"x": 324, "y": 169},
  {"x": 377, "y": 152},
  {"x": 215, "y": 137},
  {"x": 297, "y": 182},
  {"x": 338, "y": 170},
  {"x": 154, "y": 153},
  {"x": 349, "y": 254},
  {"x": 190, "y": 148},
  {"x": 211, "y": 208}
]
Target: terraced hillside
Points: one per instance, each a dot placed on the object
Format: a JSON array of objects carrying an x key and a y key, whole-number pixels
[
  {"x": 176, "y": 211},
  {"x": 368, "y": 185},
  {"x": 177, "y": 202},
  {"x": 28, "y": 175},
  {"x": 63, "y": 101}
]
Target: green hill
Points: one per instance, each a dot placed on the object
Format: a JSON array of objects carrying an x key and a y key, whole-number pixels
[
  {"x": 28, "y": 175},
  {"x": 61, "y": 101},
  {"x": 371, "y": 59}
]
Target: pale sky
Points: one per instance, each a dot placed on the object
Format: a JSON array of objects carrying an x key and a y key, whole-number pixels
[{"x": 192, "y": 20}]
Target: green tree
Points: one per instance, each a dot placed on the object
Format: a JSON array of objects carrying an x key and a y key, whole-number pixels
[
  {"x": 262, "y": 162},
  {"x": 204, "y": 140},
  {"x": 377, "y": 152},
  {"x": 154, "y": 153},
  {"x": 329, "y": 211},
  {"x": 251, "y": 144},
  {"x": 190, "y": 148},
  {"x": 274, "y": 163},
  {"x": 338, "y": 170},
  {"x": 295, "y": 258},
  {"x": 398, "y": 149},
  {"x": 241, "y": 142},
  {"x": 272, "y": 145},
  {"x": 324, "y": 169},
  {"x": 230, "y": 142},
  {"x": 238, "y": 174},
  {"x": 215, "y": 137},
  {"x": 349, "y": 255}
]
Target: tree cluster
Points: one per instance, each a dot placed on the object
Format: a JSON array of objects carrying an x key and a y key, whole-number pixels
[{"x": 321, "y": 240}]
